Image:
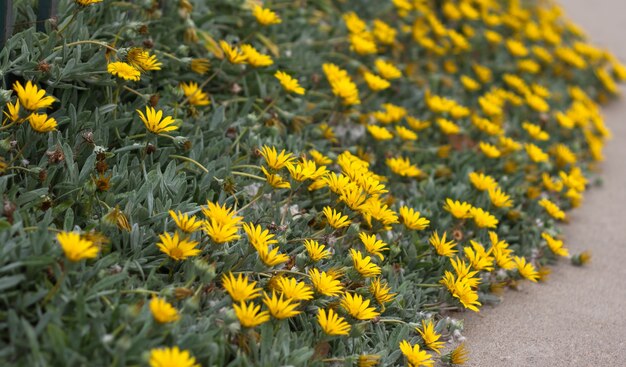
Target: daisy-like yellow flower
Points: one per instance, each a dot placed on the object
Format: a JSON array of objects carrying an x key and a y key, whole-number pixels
[
  {"x": 275, "y": 180},
  {"x": 258, "y": 237},
  {"x": 162, "y": 311},
  {"x": 233, "y": 54},
  {"x": 364, "y": 265},
  {"x": 276, "y": 160},
  {"x": 375, "y": 83},
  {"x": 430, "y": 336},
  {"x": 200, "y": 66},
  {"x": 41, "y": 123},
  {"x": 535, "y": 153},
  {"x": 289, "y": 83},
  {"x": 177, "y": 248},
  {"x": 499, "y": 198},
  {"x": 482, "y": 182},
  {"x": 250, "y": 315},
  {"x": 254, "y": 58},
  {"x": 75, "y": 247},
  {"x": 381, "y": 291},
  {"x": 458, "y": 356},
  {"x": 483, "y": 219},
  {"x": 271, "y": 257},
  {"x": 412, "y": 219},
  {"x": 240, "y": 288},
  {"x": 556, "y": 246},
  {"x": 415, "y": 356},
  {"x": 279, "y": 307},
  {"x": 552, "y": 209},
  {"x": 458, "y": 209},
  {"x": 490, "y": 150},
  {"x": 13, "y": 113},
  {"x": 379, "y": 133},
  {"x": 31, "y": 97},
  {"x": 405, "y": 134},
  {"x": 324, "y": 283},
  {"x": 154, "y": 121},
  {"x": 184, "y": 222},
  {"x": 535, "y": 131},
  {"x": 373, "y": 245},
  {"x": 368, "y": 360},
  {"x": 124, "y": 70},
  {"x": 466, "y": 295},
  {"x": 316, "y": 251},
  {"x": 194, "y": 94},
  {"x": 306, "y": 170},
  {"x": 142, "y": 60},
  {"x": 87, "y": 2},
  {"x": 265, "y": 16},
  {"x": 442, "y": 247},
  {"x": 478, "y": 258},
  {"x": 331, "y": 323},
  {"x": 526, "y": 269},
  {"x": 222, "y": 223},
  {"x": 388, "y": 70},
  {"x": 403, "y": 167},
  {"x": 358, "y": 307},
  {"x": 166, "y": 357},
  {"x": 294, "y": 290},
  {"x": 448, "y": 127},
  {"x": 341, "y": 84},
  {"x": 320, "y": 158},
  {"x": 335, "y": 218}
]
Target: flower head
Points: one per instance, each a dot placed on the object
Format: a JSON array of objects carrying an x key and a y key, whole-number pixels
[
  {"x": 166, "y": 357},
  {"x": 403, "y": 167},
  {"x": 290, "y": 84},
  {"x": 194, "y": 94},
  {"x": 258, "y": 237},
  {"x": 233, "y": 54},
  {"x": 271, "y": 257},
  {"x": 185, "y": 223},
  {"x": 526, "y": 269},
  {"x": 415, "y": 356},
  {"x": 177, "y": 248},
  {"x": 335, "y": 218},
  {"x": 499, "y": 198},
  {"x": 430, "y": 336},
  {"x": 381, "y": 291},
  {"x": 279, "y": 307},
  {"x": 294, "y": 290},
  {"x": 316, "y": 251},
  {"x": 142, "y": 60},
  {"x": 482, "y": 182},
  {"x": 255, "y": 58},
  {"x": 412, "y": 219},
  {"x": 276, "y": 160},
  {"x": 364, "y": 265},
  {"x": 483, "y": 219},
  {"x": 265, "y": 16},
  {"x": 331, "y": 323},
  {"x": 373, "y": 245},
  {"x": 442, "y": 247},
  {"x": 75, "y": 247},
  {"x": 124, "y": 70},
  {"x": 556, "y": 246},
  {"x": 87, "y": 2},
  {"x": 375, "y": 83},
  {"x": 250, "y": 315},
  {"x": 155, "y": 122},
  {"x": 458, "y": 209},
  {"x": 305, "y": 170},
  {"x": 31, "y": 97},
  {"x": 324, "y": 283},
  {"x": 222, "y": 223},
  {"x": 13, "y": 112},
  {"x": 358, "y": 307},
  {"x": 41, "y": 123},
  {"x": 240, "y": 288},
  {"x": 162, "y": 311}
]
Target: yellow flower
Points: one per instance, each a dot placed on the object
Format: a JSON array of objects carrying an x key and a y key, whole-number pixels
[
  {"x": 458, "y": 209},
  {"x": 479, "y": 258},
  {"x": 240, "y": 289},
  {"x": 294, "y": 290},
  {"x": 416, "y": 124},
  {"x": 320, "y": 158},
  {"x": 265, "y": 16},
  {"x": 258, "y": 237},
  {"x": 335, "y": 218},
  {"x": 364, "y": 265},
  {"x": 499, "y": 198},
  {"x": 281, "y": 308},
  {"x": 375, "y": 83},
  {"x": 184, "y": 222},
  {"x": 483, "y": 219},
  {"x": 482, "y": 182},
  {"x": 275, "y": 180},
  {"x": 362, "y": 43},
  {"x": 448, "y": 127},
  {"x": 305, "y": 170},
  {"x": 535, "y": 131},
  {"x": 430, "y": 336},
  {"x": 384, "y": 33},
  {"x": 276, "y": 160},
  {"x": 177, "y": 248},
  {"x": 526, "y": 269},
  {"x": 388, "y": 70},
  {"x": 403, "y": 167},
  {"x": 271, "y": 257},
  {"x": 556, "y": 246},
  {"x": 535, "y": 153},
  {"x": 162, "y": 357},
  {"x": 250, "y": 315},
  {"x": 87, "y": 2},
  {"x": 331, "y": 323},
  {"x": 222, "y": 223},
  {"x": 442, "y": 247},
  {"x": 41, "y": 123},
  {"x": 508, "y": 145},
  {"x": 75, "y": 247},
  {"x": 412, "y": 220},
  {"x": 194, "y": 94},
  {"x": 516, "y": 48},
  {"x": 405, "y": 134},
  {"x": 233, "y": 54},
  {"x": 381, "y": 291},
  {"x": 255, "y": 58},
  {"x": 466, "y": 295},
  {"x": 552, "y": 209},
  {"x": 357, "y": 307},
  {"x": 491, "y": 151},
  {"x": 31, "y": 97},
  {"x": 200, "y": 66},
  {"x": 124, "y": 70},
  {"x": 154, "y": 121},
  {"x": 373, "y": 245},
  {"x": 162, "y": 311},
  {"x": 368, "y": 360},
  {"x": 469, "y": 84},
  {"x": 341, "y": 84},
  {"x": 415, "y": 356},
  {"x": 325, "y": 284},
  {"x": 13, "y": 113},
  {"x": 316, "y": 251},
  {"x": 379, "y": 133},
  {"x": 290, "y": 84},
  {"x": 458, "y": 356},
  {"x": 142, "y": 60}
]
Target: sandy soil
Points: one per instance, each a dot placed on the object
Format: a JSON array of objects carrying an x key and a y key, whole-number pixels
[{"x": 578, "y": 318}]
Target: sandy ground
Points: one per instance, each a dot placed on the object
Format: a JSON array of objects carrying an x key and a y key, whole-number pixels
[{"x": 578, "y": 318}]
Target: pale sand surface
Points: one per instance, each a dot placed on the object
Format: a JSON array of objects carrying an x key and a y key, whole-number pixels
[{"x": 578, "y": 318}]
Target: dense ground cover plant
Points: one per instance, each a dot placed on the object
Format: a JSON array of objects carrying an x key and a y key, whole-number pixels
[{"x": 284, "y": 183}]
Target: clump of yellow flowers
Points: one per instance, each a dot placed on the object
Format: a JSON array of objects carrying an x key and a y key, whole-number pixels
[{"x": 285, "y": 183}]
